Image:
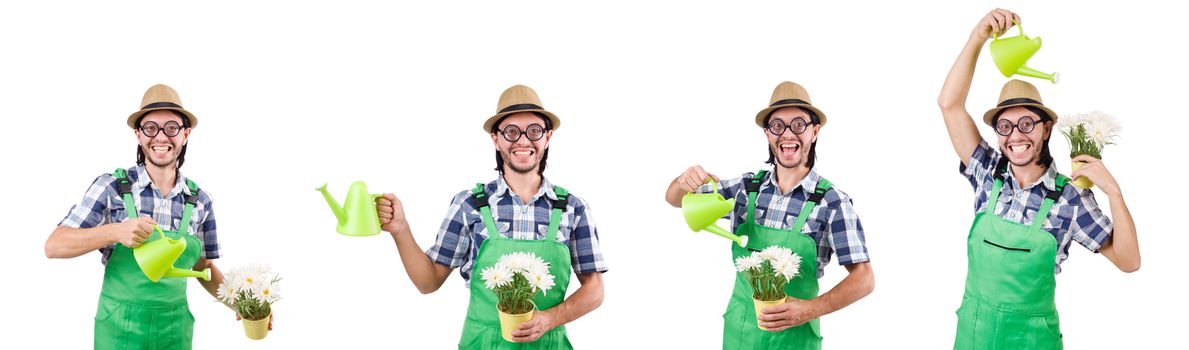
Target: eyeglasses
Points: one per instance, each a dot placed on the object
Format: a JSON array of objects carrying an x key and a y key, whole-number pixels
[
  {"x": 1004, "y": 127},
  {"x": 778, "y": 127},
  {"x": 151, "y": 129},
  {"x": 534, "y": 132}
]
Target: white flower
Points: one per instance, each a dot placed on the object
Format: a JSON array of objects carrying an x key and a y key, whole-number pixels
[
  {"x": 787, "y": 265},
  {"x": 517, "y": 261},
  {"x": 542, "y": 281},
  {"x": 226, "y": 292},
  {"x": 268, "y": 292},
  {"x": 1068, "y": 122},
  {"x": 748, "y": 262},
  {"x": 1101, "y": 127},
  {"x": 496, "y": 275},
  {"x": 773, "y": 252}
]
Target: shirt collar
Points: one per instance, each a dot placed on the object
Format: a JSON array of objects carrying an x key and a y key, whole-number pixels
[
  {"x": 1048, "y": 179},
  {"x": 143, "y": 181},
  {"x": 501, "y": 188},
  {"x": 806, "y": 184}
]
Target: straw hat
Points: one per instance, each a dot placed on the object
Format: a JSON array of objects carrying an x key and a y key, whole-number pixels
[
  {"x": 159, "y": 97},
  {"x": 789, "y": 94},
  {"x": 1017, "y": 93},
  {"x": 516, "y": 99}
]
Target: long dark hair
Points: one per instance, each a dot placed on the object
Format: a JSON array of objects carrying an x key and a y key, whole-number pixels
[
  {"x": 181, "y": 156},
  {"x": 499, "y": 159},
  {"x": 813, "y": 120},
  {"x": 1046, "y": 159}
]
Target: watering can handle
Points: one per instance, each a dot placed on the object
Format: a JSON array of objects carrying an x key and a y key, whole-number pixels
[
  {"x": 157, "y": 230},
  {"x": 713, "y": 184},
  {"x": 1014, "y": 22}
]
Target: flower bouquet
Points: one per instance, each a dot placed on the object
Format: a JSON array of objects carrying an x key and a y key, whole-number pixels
[
  {"x": 251, "y": 291},
  {"x": 1088, "y": 133},
  {"x": 768, "y": 271},
  {"x": 516, "y": 278}
]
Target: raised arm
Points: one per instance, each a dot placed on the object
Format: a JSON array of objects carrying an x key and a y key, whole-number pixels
[{"x": 961, "y": 126}]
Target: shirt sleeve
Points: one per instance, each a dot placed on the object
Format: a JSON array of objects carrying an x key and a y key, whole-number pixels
[
  {"x": 1090, "y": 227},
  {"x": 92, "y": 210},
  {"x": 979, "y": 169},
  {"x": 846, "y": 233},
  {"x": 206, "y": 228},
  {"x": 453, "y": 242},
  {"x": 586, "y": 252}
]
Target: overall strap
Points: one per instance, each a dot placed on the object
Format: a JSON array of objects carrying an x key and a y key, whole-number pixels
[
  {"x": 1050, "y": 198},
  {"x": 753, "y": 189},
  {"x": 559, "y": 206},
  {"x": 479, "y": 195},
  {"x": 191, "y": 200},
  {"x": 124, "y": 187},
  {"x": 823, "y": 185}
]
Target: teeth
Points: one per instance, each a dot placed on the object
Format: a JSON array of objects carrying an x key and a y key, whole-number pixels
[{"x": 1019, "y": 148}]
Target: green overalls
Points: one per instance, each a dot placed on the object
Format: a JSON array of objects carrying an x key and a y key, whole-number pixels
[
  {"x": 482, "y": 327},
  {"x": 134, "y": 312},
  {"x": 1010, "y": 283},
  {"x": 739, "y": 322}
]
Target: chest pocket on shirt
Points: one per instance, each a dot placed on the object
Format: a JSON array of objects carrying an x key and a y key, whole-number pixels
[
  {"x": 564, "y": 228},
  {"x": 478, "y": 227}
]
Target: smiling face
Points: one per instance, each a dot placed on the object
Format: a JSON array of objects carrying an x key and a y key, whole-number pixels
[
  {"x": 523, "y": 156},
  {"x": 791, "y": 150},
  {"x": 1021, "y": 148},
  {"x": 162, "y": 150}
]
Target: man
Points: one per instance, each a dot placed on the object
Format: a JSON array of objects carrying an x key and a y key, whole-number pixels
[
  {"x": 794, "y": 207},
  {"x": 122, "y": 210},
  {"x": 519, "y": 211},
  {"x": 1027, "y": 216}
]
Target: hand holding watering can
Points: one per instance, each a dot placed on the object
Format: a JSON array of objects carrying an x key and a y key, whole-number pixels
[{"x": 701, "y": 210}]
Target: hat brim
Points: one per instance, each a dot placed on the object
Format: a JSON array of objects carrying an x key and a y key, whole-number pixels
[
  {"x": 762, "y": 116},
  {"x": 490, "y": 123},
  {"x": 134, "y": 116},
  {"x": 987, "y": 117}
]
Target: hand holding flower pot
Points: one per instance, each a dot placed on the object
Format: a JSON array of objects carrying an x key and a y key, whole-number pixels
[
  {"x": 768, "y": 271},
  {"x": 1088, "y": 133},
  {"x": 516, "y": 278},
  {"x": 251, "y": 291}
]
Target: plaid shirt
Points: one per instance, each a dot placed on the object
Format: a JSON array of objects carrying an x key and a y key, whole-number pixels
[
  {"x": 833, "y": 224},
  {"x": 103, "y": 204},
  {"x": 463, "y": 231},
  {"x": 1073, "y": 217}
]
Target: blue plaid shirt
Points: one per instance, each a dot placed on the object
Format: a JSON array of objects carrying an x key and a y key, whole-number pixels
[
  {"x": 463, "y": 231},
  {"x": 103, "y": 204},
  {"x": 833, "y": 224},
  {"x": 1073, "y": 217}
]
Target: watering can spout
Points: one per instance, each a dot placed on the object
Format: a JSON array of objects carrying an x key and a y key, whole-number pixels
[
  {"x": 339, "y": 214},
  {"x": 205, "y": 274}
]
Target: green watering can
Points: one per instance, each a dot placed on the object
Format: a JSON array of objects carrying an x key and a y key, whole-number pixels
[
  {"x": 156, "y": 258},
  {"x": 703, "y": 209},
  {"x": 357, "y": 216},
  {"x": 1010, "y": 54}
]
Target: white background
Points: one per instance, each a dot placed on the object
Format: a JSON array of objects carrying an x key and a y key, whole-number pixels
[{"x": 290, "y": 95}]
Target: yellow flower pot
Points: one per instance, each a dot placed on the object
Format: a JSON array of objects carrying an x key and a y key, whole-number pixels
[
  {"x": 760, "y": 305},
  {"x": 1081, "y": 182},
  {"x": 256, "y": 329},
  {"x": 510, "y": 323}
]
